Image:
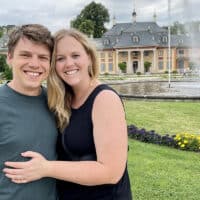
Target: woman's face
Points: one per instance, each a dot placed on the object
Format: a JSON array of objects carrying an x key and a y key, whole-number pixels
[{"x": 72, "y": 61}]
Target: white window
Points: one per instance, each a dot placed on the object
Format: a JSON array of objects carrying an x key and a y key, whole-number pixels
[
  {"x": 135, "y": 39},
  {"x": 103, "y": 67},
  {"x": 106, "y": 42},
  {"x": 160, "y": 65},
  {"x": 110, "y": 67},
  {"x": 164, "y": 39},
  {"x": 160, "y": 53}
]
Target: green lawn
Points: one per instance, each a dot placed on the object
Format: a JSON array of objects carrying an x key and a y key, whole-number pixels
[
  {"x": 159, "y": 172},
  {"x": 164, "y": 117},
  {"x": 162, "y": 173}
]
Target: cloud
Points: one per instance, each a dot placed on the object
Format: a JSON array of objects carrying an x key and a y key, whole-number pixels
[{"x": 58, "y": 13}]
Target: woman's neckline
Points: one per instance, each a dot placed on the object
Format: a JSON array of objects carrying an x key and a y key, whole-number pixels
[{"x": 85, "y": 101}]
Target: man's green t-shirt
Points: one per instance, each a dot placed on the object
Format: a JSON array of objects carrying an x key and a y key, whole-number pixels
[{"x": 26, "y": 124}]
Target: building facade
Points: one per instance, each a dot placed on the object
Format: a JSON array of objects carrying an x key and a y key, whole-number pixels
[{"x": 137, "y": 43}]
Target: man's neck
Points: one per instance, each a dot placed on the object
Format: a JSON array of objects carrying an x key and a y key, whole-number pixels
[{"x": 25, "y": 91}]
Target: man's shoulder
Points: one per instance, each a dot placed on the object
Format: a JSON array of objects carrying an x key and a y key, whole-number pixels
[
  {"x": 5, "y": 95},
  {"x": 2, "y": 91}
]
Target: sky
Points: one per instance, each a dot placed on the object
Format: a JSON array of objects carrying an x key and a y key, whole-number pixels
[{"x": 56, "y": 14}]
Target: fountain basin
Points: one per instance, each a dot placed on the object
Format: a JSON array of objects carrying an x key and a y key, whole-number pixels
[{"x": 180, "y": 90}]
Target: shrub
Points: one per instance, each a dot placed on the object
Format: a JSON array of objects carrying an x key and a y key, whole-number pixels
[
  {"x": 147, "y": 65},
  {"x": 174, "y": 72},
  {"x": 122, "y": 66},
  {"x": 7, "y": 74},
  {"x": 138, "y": 73},
  {"x": 3, "y": 63},
  {"x": 150, "y": 136}
]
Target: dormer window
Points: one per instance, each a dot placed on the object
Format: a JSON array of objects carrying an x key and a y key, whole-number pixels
[
  {"x": 164, "y": 39},
  {"x": 149, "y": 28},
  {"x": 135, "y": 39},
  {"x": 180, "y": 41},
  {"x": 106, "y": 42}
]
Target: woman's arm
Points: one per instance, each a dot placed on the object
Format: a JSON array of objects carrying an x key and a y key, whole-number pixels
[{"x": 110, "y": 137}]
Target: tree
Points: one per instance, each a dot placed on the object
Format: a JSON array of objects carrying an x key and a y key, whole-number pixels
[
  {"x": 7, "y": 74},
  {"x": 97, "y": 14},
  {"x": 122, "y": 67},
  {"x": 147, "y": 65},
  {"x": 3, "y": 63},
  {"x": 87, "y": 27},
  {"x": 4, "y": 68},
  {"x": 1, "y": 33}
]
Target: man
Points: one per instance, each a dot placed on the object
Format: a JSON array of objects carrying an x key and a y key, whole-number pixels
[{"x": 25, "y": 122}]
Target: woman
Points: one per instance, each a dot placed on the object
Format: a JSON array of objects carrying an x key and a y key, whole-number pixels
[{"x": 92, "y": 147}]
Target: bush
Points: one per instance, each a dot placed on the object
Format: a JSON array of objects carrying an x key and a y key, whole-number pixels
[
  {"x": 147, "y": 65},
  {"x": 185, "y": 141},
  {"x": 106, "y": 74},
  {"x": 150, "y": 136},
  {"x": 138, "y": 73},
  {"x": 3, "y": 63},
  {"x": 122, "y": 66},
  {"x": 7, "y": 74},
  {"x": 174, "y": 72}
]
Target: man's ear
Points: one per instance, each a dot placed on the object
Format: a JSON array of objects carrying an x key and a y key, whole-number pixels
[{"x": 8, "y": 59}]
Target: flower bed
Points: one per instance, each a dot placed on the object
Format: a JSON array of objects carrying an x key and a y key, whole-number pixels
[{"x": 183, "y": 141}]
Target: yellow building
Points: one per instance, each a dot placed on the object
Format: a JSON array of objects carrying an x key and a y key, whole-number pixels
[{"x": 138, "y": 42}]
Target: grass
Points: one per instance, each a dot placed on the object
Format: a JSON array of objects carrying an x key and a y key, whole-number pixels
[
  {"x": 164, "y": 117},
  {"x": 159, "y": 172},
  {"x": 162, "y": 173}
]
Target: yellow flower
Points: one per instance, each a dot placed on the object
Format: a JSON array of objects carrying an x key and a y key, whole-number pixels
[
  {"x": 185, "y": 141},
  {"x": 179, "y": 143},
  {"x": 183, "y": 145},
  {"x": 178, "y": 138}
]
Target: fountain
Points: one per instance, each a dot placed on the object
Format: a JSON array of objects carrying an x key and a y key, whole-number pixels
[
  {"x": 186, "y": 88},
  {"x": 179, "y": 90}
]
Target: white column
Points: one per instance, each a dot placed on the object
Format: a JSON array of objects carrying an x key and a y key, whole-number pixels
[
  {"x": 142, "y": 61},
  {"x": 155, "y": 67},
  {"x": 116, "y": 63},
  {"x": 129, "y": 70}
]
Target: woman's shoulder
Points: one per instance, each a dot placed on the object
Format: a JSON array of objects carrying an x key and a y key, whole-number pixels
[
  {"x": 104, "y": 87},
  {"x": 106, "y": 96}
]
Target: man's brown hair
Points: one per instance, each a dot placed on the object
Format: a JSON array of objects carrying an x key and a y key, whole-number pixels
[{"x": 35, "y": 32}]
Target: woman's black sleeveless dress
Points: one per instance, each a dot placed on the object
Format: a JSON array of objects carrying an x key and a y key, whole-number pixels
[{"x": 76, "y": 143}]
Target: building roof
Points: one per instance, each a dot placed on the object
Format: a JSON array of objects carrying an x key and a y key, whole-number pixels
[{"x": 141, "y": 34}]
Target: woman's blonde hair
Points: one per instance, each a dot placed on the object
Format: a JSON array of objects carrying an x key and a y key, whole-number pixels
[{"x": 59, "y": 93}]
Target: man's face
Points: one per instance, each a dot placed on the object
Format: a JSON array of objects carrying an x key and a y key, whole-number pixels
[{"x": 30, "y": 63}]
